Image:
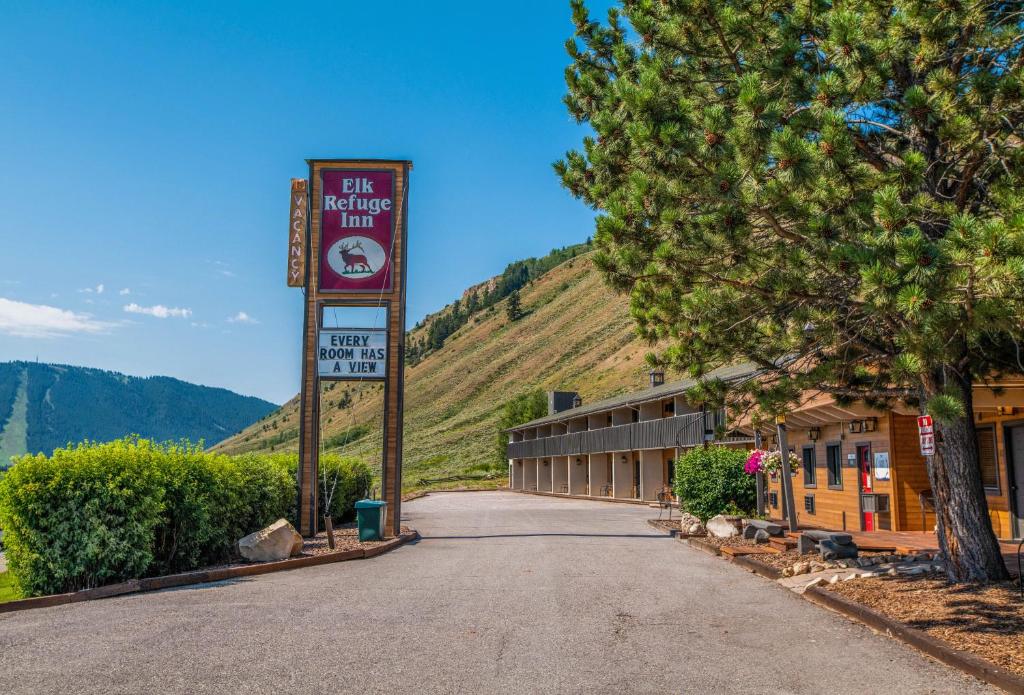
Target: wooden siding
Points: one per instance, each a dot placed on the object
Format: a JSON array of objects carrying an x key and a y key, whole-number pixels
[{"x": 837, "y": 508}]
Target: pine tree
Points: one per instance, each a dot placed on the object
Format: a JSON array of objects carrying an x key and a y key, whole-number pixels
[
  {"x": 513, "y": 309},
  {"x": 830, "y": 191}
]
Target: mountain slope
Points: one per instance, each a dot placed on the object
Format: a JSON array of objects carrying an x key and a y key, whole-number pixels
[
  {"x": 45, "y": 406},
  {"x": 575, "y": 335}
]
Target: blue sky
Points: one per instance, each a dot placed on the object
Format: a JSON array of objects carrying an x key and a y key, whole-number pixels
[{"x": 146, "y": 152}]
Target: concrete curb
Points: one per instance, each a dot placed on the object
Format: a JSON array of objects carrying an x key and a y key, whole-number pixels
[
  {"x": 674, "y": 533},
  {"x": 134, "y": 586},
  {"x": 744, "y": 561},
  {"x": 922, "y": 641},
  {"x": 696, "y": 542}
]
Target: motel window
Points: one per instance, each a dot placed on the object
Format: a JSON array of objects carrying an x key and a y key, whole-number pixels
[
  {"x": 635, "y": 414},
  {"x": 809, "y": 504},
  {"x": 773, "y": 499},
  {"x": 987, "y": 458},
  {"x": 810, "y": 467},
  {"x": 834, "y": 459}
]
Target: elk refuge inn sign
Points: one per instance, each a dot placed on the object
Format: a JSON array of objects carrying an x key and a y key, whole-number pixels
[{"x": 348, "y": 228}]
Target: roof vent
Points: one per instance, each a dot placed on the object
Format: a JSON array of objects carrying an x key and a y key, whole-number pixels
[{"x": 657, "y": 377}]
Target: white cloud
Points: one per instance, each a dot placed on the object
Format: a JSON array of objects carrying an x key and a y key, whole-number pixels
[
  {"x": 41, "y": 321},
  {"x": 98, "y": 289},
  {"x": 158, "y": 310},
  {"x": 241, "y": 317},
  {"x": 124, "y": 292}
]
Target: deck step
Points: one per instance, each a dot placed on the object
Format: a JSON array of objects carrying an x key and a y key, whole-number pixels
[{"x": 782, "y": 544}]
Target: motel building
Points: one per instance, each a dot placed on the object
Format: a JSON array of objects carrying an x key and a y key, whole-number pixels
[
  {"x": 861, "y": 469},
  {"x": 623, "y": 448}
]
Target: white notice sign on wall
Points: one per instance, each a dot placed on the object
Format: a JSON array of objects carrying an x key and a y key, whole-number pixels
[{"x": 352, "y": 353}]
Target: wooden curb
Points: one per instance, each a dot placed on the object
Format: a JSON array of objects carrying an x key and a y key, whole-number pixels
[
  {"x": 922, "y": 641},
  {"x": 203, "y": 576}
]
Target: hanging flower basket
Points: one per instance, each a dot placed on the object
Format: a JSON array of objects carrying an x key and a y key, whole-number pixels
[{"x": 770, "y": 462}]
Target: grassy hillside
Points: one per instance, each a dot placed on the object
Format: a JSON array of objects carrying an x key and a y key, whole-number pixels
[
  {"x": 575, "y": 335},
  {"x": 45, "y": 406}
]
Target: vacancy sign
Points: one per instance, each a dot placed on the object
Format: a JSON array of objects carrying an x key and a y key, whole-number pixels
[
  {"x": 926, "y": 431},
  {"x": 352, "y": 353}
]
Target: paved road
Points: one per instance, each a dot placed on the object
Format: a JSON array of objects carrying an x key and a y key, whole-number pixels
[{"x": 506, "y": 593}]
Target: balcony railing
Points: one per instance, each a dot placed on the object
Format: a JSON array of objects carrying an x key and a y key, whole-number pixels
[{"x": 664, "y": 433}]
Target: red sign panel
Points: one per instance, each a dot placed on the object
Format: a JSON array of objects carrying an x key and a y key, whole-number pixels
[{"x": 357, "y": 230}]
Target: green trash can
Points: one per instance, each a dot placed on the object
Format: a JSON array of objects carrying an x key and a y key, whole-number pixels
[{"x": 370, "y": 519}]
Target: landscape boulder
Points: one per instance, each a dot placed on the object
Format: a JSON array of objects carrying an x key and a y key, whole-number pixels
[
  {"x": 831, "y": 550},
  {"x": 761, "y": 536},
  {"x": 722, "y": 527},
  {"x": 279, "y": 541},
  {"x": 691, "y": 525}
]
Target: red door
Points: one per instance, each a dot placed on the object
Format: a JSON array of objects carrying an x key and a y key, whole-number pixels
[{"x": 864, "y": 465}]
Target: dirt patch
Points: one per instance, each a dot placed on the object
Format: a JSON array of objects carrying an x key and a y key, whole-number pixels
[
  {"x": 346, "y": 537},
  {"x": 984, "y": 619}
]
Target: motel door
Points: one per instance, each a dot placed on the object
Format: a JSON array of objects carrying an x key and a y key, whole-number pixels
[
  {"x": 1015, "y": 444},
  {"x": 864, "y": 469}
]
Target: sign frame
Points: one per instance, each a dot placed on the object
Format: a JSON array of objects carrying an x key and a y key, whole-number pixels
[{"x": 392, "y": 299}]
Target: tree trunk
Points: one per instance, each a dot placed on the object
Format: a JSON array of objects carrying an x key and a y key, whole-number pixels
[{"x": 965, "y": 534}]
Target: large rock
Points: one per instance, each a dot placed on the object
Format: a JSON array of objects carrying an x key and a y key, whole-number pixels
[
  {"x": 279, "y": 541},
  {"x": 691, "y": 525},
  {"x": 722, "y": 526}
]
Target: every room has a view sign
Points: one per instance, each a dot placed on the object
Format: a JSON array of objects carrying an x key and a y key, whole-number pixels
[{"x": 352, "y": 353}]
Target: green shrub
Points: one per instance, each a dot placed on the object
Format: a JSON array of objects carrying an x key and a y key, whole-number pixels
[
  {"x": 81, "y": 518},
  {"x": 711, "y": 481},
  {"x": 101, "y": 513}
]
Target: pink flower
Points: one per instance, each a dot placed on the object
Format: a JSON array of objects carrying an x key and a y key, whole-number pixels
[{"x": 754, "y": 462}]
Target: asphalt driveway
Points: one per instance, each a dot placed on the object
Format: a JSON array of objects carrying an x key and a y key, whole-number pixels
[{"x": 506, "y": 593}]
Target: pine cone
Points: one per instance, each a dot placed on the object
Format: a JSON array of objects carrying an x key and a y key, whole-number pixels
[
  {"x": 828, "y": 148},
  {"x": 711, "y": 139},
  {"x": 723, "y": 186}
]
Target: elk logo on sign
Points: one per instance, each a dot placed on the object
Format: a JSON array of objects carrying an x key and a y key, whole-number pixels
[{"x": 356, "y": 256}]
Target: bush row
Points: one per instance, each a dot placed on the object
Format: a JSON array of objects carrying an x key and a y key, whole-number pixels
[
  {"x": 95, "y": 514},
  {"x": 711, "y": 481}
]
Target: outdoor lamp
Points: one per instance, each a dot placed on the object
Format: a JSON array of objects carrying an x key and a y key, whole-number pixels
[
  {"x": 577, "y": 401},
  {"x": 545, "y": 462},
  {"x": 814, "y": 433},
  {"x": 871, "y": 424},
  {"x": 579, "y": 462},
  {"x": 856, "y": 426}
]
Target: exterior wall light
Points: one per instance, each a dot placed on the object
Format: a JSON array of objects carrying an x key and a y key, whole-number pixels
[
  {"x": 871, "y": 424},
  {"x": 577, "y": 401},
  {"x": 814, "y": 433},
  {"x": 545, "y": 463},
  {"x": 579, "y": 462},
  {"x": 856, "y": 426}
]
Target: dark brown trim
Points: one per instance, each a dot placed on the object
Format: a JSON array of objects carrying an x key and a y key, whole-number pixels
[
  {"x": 702, "y": 545},
  {"x": 922, "y": 641},
  {"x": 203, "y": 576}
]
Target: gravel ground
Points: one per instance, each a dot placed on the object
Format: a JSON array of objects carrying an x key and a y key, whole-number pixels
[
  {"x": 986, "y": 620},
  {"x": 505, "y": 593}
]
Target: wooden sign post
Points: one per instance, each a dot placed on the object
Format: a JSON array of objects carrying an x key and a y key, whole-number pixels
[{"x": 355, "y": 257}]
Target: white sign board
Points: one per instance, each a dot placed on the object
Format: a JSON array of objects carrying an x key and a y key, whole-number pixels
[
  {"x": 926, "y": 431},
  {"x": 352, "y": 353},
  {"x": 882, "y": 465}
]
